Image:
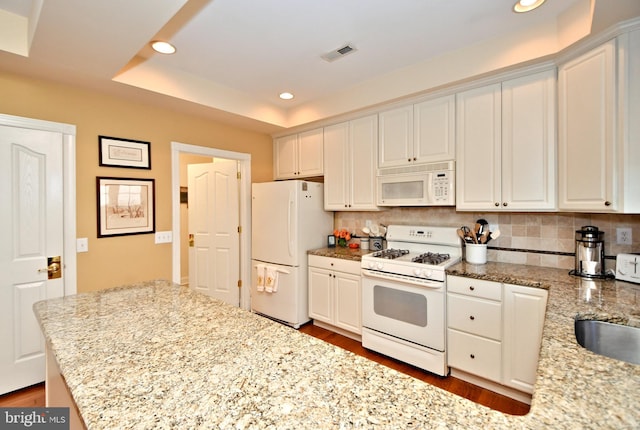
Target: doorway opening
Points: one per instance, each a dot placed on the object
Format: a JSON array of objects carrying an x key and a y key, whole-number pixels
[{"x": 180, "y": 236}]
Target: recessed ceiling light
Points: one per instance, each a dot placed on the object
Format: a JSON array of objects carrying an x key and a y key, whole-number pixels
[
  {"x": 163, "y": 47},
  {"x": 286, "y": 96},
  {"x": 527, "y": 5}
]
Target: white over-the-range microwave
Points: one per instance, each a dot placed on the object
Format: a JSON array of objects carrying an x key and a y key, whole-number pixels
[{"x": 430, "y": 184}]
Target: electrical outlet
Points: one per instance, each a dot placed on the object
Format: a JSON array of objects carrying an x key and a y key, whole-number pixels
[
  {"x": 164, "y": 237},
  {"x": 367, "y": 223},
  {"x": 623, "y": 236}
]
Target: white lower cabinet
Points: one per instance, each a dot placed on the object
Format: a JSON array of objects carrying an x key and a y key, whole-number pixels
[
  {"x": 335, "y": 294},
  {"x": 524, "y": 310},
  {"x": 494, "y": 332}
]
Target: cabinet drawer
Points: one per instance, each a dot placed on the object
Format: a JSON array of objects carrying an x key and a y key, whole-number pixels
[
  {"x": 476, "y": 316},
  {"x": 475, "y": 287},
  {"x": 474, "y": 354},
  {"x": 338, "y": 264}
]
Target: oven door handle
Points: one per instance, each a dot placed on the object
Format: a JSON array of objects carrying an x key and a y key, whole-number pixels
[{"x": 384, "y": 276}]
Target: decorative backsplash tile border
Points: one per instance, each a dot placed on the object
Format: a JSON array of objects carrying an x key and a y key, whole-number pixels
[{"x": 535, "y": 239}]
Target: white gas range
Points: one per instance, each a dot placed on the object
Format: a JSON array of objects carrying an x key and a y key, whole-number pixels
[{"x": 404, "y": 292}]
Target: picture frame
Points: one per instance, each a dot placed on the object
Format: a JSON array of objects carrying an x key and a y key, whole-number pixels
[
  {"x": 128, "y": 153},
  {"x": 125, "y": 206}
]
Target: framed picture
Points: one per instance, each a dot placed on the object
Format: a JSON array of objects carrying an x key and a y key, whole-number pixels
[
  {"x": 116, "y": 152},
  {"x": 125, "y": 206}
]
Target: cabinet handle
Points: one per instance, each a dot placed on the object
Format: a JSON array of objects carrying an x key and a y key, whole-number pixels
[
  {"x": 496, "y": 204},
  {"x": 504, "y": 204},
  {"x": 472, "y": 288},
  {"x": 472, "y": 318},
  {"x": 414, "y": 158},
  {"x": 409, "y": 160},
  {"x": 607, "y": 203},
  {"x": 472, "y": 356}
]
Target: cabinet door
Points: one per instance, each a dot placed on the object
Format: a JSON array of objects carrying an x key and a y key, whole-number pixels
[
  {"x": 478, "y": 128},
  {"x": 587, "y": 131},
  {"x": 348, "y": 305},
  {"x": 320, "y": 294},
  {"x": 434, "y": 130},
  {"x": 364, "y": 141},
  {"x": 396, "y": 137},
  {"x": 337, "y": 174},
  {"x": 524, "y": 311},
  {"x": 529, "y": 142},
  {"x": 310, "y": 148},
  {"x": 286, "y": 157}
]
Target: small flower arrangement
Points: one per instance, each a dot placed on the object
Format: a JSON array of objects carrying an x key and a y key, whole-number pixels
[{"x": 343, "y": 236}]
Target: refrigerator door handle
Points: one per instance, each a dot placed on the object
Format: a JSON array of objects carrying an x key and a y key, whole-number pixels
[{"x": 290, "y": 231}]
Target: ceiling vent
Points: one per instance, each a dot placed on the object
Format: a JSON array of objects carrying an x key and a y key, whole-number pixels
[{"x": 338, "y": 53}]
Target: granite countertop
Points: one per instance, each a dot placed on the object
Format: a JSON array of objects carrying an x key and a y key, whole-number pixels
[
  {"x": 341, "y": 252},
  {"x": 157, "y": 355}
]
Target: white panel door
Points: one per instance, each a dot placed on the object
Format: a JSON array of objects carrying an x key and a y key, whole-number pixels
[
  {"x": 214, "y": 258},
  {"x": 31, "y": 184}
]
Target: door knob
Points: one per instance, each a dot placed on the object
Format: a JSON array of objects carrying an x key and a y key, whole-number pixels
[{"x": 53, "y": 269}]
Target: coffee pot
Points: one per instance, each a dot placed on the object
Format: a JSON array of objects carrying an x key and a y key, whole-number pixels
[{"x": 589, "y": 252}]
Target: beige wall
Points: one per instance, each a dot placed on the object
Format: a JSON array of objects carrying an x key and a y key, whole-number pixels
[{"x": 121, "y": 260}]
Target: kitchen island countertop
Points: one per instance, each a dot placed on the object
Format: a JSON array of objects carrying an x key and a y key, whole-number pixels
[{"x": 157, "y": 355}]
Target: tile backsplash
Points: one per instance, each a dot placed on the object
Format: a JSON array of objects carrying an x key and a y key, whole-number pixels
[{"x": 521, "y": 234}]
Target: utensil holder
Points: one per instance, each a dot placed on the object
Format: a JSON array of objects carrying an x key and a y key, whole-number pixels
[{"x": 476, "y": 253}]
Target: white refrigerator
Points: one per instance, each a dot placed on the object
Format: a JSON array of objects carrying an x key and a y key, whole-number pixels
[{"x": 288, "y": 219}]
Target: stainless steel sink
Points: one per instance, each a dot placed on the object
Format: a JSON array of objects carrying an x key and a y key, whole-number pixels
[{"x": 612, "y": 340}]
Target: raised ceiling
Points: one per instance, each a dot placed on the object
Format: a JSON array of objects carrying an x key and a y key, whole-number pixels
[{"x": 235, "y": 56}]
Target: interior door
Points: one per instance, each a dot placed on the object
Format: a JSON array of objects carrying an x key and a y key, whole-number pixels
[
  {"x": 31, "y": 185},
  {"x": 214, "y": 218}
]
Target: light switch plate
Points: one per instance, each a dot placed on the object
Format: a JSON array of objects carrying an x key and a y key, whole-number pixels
[
  {"x": 164, "y": 237},
  {"x": 82, "y": 244}
]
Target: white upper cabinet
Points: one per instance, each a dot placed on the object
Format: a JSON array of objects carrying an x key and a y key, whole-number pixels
[
  {"x": 434, "y": 128},
  {"x": 599, "y": 135},
  {"x": 299, "y": 155},
  {"x": 396, "y": 137},
  {"x": 586, "y": 139},
  {"x": 506, "y": 146},
  {"x": 418, "y": 134},
  {"x": 478, "y": 171},
  {"x": 350, "y": 150}
]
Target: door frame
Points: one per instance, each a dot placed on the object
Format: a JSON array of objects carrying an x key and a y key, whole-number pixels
[
  {"x": 68, "y": 131},
  {"x": 244, "y": 162}
]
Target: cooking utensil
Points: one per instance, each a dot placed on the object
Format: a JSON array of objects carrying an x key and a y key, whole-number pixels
[
  {"x": 468, "y": 238},
  {"x": 366, "y": 231},
  {"x": 493, "y": 235},
  {"x": 474, "y": 236},
  {"x": 375, "y": 230},
  {"x": 481, "y": 226}
]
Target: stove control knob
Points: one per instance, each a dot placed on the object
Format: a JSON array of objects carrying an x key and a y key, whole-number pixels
[
  {"x": 427, "y": 273},
  {"x": 379, "y": 266},
  {"x": 371, "y": 264},
  {"x": 417, "y": 272}
]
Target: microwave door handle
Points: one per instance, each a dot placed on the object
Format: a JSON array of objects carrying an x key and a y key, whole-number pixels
[{"x": 430, "y": 186}]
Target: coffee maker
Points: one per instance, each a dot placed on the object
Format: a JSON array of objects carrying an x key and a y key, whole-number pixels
[{"x": 589, "y": 252}]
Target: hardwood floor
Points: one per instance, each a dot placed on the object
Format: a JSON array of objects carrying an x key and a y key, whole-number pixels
[
  {"x": 34, "y": 396},
  {"x": 30, "y": 397}
]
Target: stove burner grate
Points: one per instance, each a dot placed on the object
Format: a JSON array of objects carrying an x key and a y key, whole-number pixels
[
  {"x": 431, "y": 258},
  {"x": 390, "y": 253}
]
